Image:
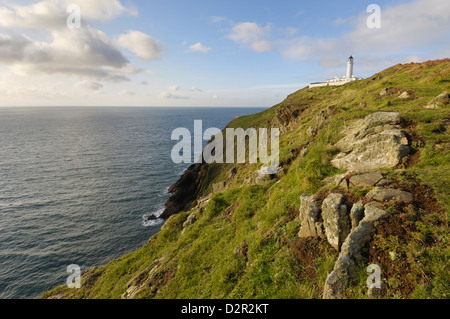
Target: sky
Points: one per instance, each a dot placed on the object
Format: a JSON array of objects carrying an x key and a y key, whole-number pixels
[{"x": 246, "y": 53}]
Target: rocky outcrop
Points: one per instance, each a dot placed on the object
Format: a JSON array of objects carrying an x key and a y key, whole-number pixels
[
  {"x": 440, "y": 101},
  {"x": 372, "y": 143},
  {"x": 344, "y": 268},
  {"x": 286, "y": 117},
  {"x": 388, "y": 194},
  {"x": 389, "y": 91},
  {"x": 264, "y": 175},
  {"x": 405, "y": 95},
  {"x": 356, "y": 214},
  {"x": 192, "y": 218},
  {"x": 347, "y": 227},
  {"x": 184, "y": 191},
  {"x": 336, "y": 219},
  {"x": 309, "y": 215},
  {"x": 367, "y": 179},
  {"x": 138, "y": 282}
]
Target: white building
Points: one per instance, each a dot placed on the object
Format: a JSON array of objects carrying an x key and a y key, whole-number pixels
[{"x": 349, "y": 77}]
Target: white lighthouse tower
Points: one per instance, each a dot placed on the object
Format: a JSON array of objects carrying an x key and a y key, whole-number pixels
[
  {"x": 350, "y": 68},
  {"x": 350, "y": 77}
]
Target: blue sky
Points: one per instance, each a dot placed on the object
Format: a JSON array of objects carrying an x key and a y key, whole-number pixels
[{"x": 203, "y": 53}]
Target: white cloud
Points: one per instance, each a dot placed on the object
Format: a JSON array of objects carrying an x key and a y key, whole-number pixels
[
  {"x": 253, "y": 35},
  {"x": 52, "y": 14},
  {"x": 45, "y": 14},
  {"x": 167, "y": 95},
  {"x": 89, "y": 85},
  {"x": 102, "y": 10},
  {"x": 127, "y": 93},
  {"x": 412, "y": 26},
  {"x": 173, "y": 88},
  {"x": 85, "y": 52},
  {"x": 143, "y": 45},
  {"x": 261, "y": 46},
  {"x": 195, "y": 89},
  {"x": 198, "y": 47}
]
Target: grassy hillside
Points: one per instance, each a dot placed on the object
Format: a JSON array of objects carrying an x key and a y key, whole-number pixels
[{"x": 244, "y": 243}]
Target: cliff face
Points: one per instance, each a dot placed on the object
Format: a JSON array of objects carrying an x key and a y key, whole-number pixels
[
  {"x": 363, "y": 181},
  {"x": 184, "y": 191}
]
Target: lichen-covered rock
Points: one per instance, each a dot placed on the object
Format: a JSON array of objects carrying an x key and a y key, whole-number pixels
[
  {"x": 366, "y": 179},
  {"x": 356, "y": 214},
  {"x": 336, "y": 219},
  {"x": 192, "y": 218},
  {"x": 379, "y": 118},
  {"x": 362, "y": 233},
  {"x": 337, "y": 281},
  {"x": 440, "y": 101},
  {"x": 405, "y": 95},
  {"x": 344, "y": 268},
  {"x": 309, "y": 215},
  {"x": 388, "y": 194},
  {"x": 138, "y": 282},
  {"x": 336, "y": 180},
  {"x": 372, "y": 143}
]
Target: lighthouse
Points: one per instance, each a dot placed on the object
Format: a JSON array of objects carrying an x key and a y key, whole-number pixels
[
  {"x": 350, "y": 77},
  {"x": 350, "y": 68}
]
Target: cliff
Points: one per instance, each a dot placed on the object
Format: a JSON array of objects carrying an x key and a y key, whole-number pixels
[{"x": 363, "y": 181}]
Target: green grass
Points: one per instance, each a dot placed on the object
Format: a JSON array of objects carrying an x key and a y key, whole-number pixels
[{"x": 241, "y": 245}]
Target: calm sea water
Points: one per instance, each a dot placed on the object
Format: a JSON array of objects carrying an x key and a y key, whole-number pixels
[{"x": 76, "y": 183}]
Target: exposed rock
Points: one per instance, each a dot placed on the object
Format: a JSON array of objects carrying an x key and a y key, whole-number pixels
[
  {"x": 337, "y": 281},
  {"x": 405, "y": 95},
  {"x": 324, "y": 115},
  {"x": 309, "y": 215},
  {"x": 357, "y": 214},
  {"x": 383, "y": 92},
  {"x": 335, "y": 219},
  {"x": 138, "y": 282},
  {"x": 286, "y": 117},
  {"x": 362, "y": 233},
  {"x": 336, "y": 180},
  {"x": 366, "y": 179},
  {"x": 281, "y": 172},
  {"x": 262, "y": 176},
  {"x": 439, "y": 101},
  {"x": 389, "y": 91},
  {"x": 344, "y": 268},
  {"x": 232, "y": 173},
  {"x": 384, "y": 182},
  {"x": 372, "y": 143},
  {"x": 388, "y": 194},
  {"x": 379, "y": 118},
  {"x": 192, "y": 218},
  {"x": 184, "y": 191},
  {"x": 219, "y": 187}
]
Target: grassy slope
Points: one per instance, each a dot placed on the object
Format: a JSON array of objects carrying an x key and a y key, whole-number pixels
[{"x": 245, "y": 245}]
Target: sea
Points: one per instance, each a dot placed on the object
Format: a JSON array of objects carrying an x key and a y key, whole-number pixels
[{"x": 77, "y": 183}]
